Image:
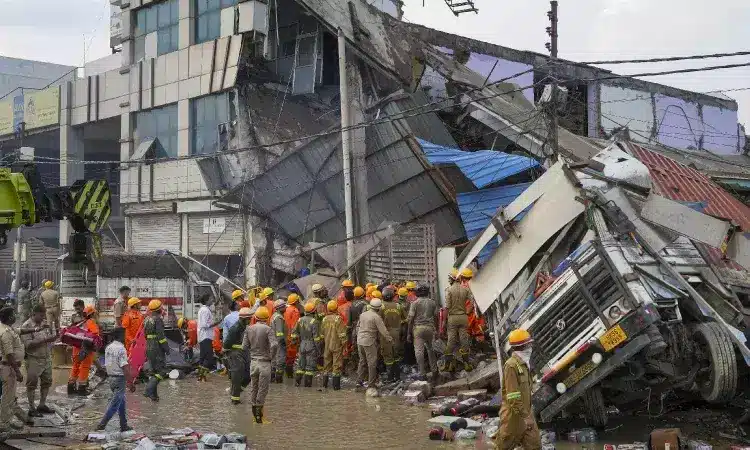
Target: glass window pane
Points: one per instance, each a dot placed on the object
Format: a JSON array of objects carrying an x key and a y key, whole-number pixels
[
  {"x": 164, "y": 13},
  {"x": 140, "y": 22},
  {"x": 222, "y": 112},
  {"x": 175, "y": 34},
  {"x": 214, "y": 25},
  {"x": 201, "y": 6},
  {"x": 140, "y": 48},
  {"x": 151, "y": 22},
  {"x": 210, "y": 110},
  {"x": 175, "y": 15},
  {"x": 226, "y": 3},
  {"x": 163, "y": 41},
  {"x": 202, "y": 32}
]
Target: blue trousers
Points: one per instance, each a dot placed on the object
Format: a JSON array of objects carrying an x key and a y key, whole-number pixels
[{"x": 116, "y": 403}]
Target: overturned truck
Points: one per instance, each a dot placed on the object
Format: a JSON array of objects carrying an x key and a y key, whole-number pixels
[{"x": 631, "y": 307}]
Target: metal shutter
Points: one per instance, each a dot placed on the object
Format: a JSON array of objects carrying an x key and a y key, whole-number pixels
[
  {"x": 228, "y": 242},
  {"x": 150, "y": 232}
]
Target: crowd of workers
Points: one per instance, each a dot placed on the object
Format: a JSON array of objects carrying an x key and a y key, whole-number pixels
[{"x": 260, "y": 341}]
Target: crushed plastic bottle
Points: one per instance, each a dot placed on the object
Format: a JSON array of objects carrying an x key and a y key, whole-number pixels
[{"x": 465, "y": 433}]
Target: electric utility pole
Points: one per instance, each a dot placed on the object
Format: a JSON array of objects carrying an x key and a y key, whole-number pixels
[{"x": 552, "y": 107}]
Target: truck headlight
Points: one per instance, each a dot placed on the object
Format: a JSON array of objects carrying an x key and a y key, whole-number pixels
[
  {"x": 615, "y": 312},
  {"x": 597, "y": 358},
  {"x": 561, "y": 388}
]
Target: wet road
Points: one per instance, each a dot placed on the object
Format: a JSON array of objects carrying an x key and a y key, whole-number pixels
[{"x": 344, "y": 419}]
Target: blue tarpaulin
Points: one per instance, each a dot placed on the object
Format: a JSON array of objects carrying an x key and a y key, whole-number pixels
[
  {"x": 482, "y": 167},
  {"x": 478, "y": 207}
]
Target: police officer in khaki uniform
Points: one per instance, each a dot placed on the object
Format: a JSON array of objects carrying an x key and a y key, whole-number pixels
[
  {"x": 458, "y": 320},
  {"x": 517, "y": 425},
  {"x": 12, "y": 353},
  {"x": 38, "y": 364}
]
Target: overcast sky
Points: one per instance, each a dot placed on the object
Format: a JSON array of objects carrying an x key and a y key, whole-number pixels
[{"x": 58, "y": 31}]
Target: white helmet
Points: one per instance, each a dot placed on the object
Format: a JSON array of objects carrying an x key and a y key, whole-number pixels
[{"x": 376, "y": 303}]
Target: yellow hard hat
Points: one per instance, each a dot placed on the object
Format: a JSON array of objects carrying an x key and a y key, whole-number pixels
[
  {"x": 376, "y": 294},
  {"x": 154, "y": 305},
  {"x": 261, "y": 313},
  {"x": 467, "y": 273},
  {"x": 317, "y": 287},
  {"x": 48, "y": 284},
  {"x": 519, "y": 337},
  {"x": 359, "y": 292},
  {"x": 347, "y": 283},
  {"x": 310, "y": 305},
  {"x": 402, "y": 292},
  {"x": 246, "y": 313},
  {"x": 370, "y": 284},
  {"x": 292, "y": 298},
  {"x": 454, "y": 274},
  {"x": 333, "y": 305},
  {"x": 132, "y": 301},
  {"x": 410, "y": 285},
  {"x": 370, "y": 289},
  {"x": 267, "y": 292},
  {"x": 237, "y": 293},
  {"x": 180, "y": 322}
]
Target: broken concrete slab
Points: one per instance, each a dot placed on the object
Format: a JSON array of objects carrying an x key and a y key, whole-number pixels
[
  {"x": 452, "y": 387},
  {"x": 446, "y": 421},
  {"x": 422, "y": 386},
  {"x": 485, "y": 378},
  {"x": 414, "y": 397},
  {"x": 479, "y": 394}
]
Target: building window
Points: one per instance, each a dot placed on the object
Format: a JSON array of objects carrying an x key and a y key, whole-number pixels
[
  {"x": 208, "y": 21},
  {"x": 207, "y": 114},
  {"x": 162, "y": 18},
  {"x": 159, "y": 123}
]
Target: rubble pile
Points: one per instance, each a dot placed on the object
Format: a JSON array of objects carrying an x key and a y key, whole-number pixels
[{"x": 172, "y": 439}]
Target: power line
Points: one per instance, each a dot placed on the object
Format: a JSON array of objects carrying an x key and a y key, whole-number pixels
[{"x": 667, "y": 58}]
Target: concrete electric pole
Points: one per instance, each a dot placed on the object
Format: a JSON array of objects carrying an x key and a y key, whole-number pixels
[
  {"x": 552, "y": 107},
  {"x": 346, "y": 149}
]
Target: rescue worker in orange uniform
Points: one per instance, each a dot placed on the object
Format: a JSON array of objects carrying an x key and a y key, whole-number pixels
[
  {"x": 343, "y": 311},
  {"x": 346, "y": 286},
  {"x": 189, "y": 329},
  {"x": 291, "y": 316},
  {"x": 132, "y": 321},
  {"x": 266, "y": 300},
  {"x": 83, "y": 357},
  {"x": 334, "y": 338},
  {"x": 518, "y": 427}
]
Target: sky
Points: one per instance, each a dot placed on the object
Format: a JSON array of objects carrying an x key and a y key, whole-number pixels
[{"x": 60, "y": 31}]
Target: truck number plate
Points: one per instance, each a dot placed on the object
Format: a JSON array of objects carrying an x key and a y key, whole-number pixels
[
  {"x": 579, "y": 373},
  {"x": 613, "y": 337}
]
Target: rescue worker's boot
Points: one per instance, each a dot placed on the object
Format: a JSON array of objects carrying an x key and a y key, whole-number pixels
[
  {"x": 150, "y": 391},
  {"x": 325, "y": 381},
  {"x": 83, "y": 389},
  {"x": 72, "y": 388},
  {"x": 297, "y": 379},
  {"x": 393, "y": 372},
  {"x": 289, "y": 371},
  {"x": 308, "y": 380},
  {"x": 336, "y": 383},
  {"x": 258, "y": 414},
  {"x": 273, "y": 376},
  {"x": 279, "y": 376}
]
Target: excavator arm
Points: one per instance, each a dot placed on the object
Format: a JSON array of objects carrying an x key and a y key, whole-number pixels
[{"x": 25, "y": 200}]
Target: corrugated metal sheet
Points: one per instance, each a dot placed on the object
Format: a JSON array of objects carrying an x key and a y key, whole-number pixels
[
  {"x": 482, "y": 167},
  {"x": 477, "y": 208},
  {"x": 227, "y": 242},
  {"x": 151, "y": 232},
  {"x": 304, "y": 189},
  {"x": 685, "y": 184}
]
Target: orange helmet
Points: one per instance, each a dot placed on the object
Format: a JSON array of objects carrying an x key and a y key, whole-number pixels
[
  {"x": 89, "y": 310},
  {"x": 347, "y": 284},
  {"x": 310, "y": 306},
  {"x": 359, "y": 292}
]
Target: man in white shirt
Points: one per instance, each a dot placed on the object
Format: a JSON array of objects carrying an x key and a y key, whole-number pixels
[
  {"x": 206, "y": 325},
  {"x": 119, "y": 375}
]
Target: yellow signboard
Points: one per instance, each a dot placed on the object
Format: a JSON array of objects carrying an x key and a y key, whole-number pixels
[
  {"x": 6, "y": 116},
  {"x": 41, "y": 108}
]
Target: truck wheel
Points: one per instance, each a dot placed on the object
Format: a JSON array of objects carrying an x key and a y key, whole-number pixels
[
  {"x": 714, "y": 354},
  {"x": 593, "y": 403}
]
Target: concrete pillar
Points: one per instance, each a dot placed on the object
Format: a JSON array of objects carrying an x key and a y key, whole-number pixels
[
  {"x": 183, "y": 127},
  {"x": 248, "y": 254},
  {"x": 257, "y": 252},
  {"x": 358, "y": 154}
]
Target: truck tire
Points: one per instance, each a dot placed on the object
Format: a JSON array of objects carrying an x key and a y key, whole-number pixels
[
  {"x": 593, "y": 403},
  {"x": 714, "y": 353}
]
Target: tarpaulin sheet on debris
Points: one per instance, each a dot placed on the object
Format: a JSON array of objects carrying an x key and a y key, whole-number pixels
[
  {"x": 482, "y": 167},
  {"x": 335, "y": 254},
  {"x": 478, "y": 207}
]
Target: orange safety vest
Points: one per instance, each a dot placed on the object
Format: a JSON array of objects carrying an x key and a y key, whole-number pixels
[
  {"x": 344, "y": 311},
  {"x": 216, "y": 343},
  {"x": 192, "y": 333}
]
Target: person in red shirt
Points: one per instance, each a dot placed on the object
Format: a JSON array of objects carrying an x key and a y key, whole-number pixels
[{"x": 83, "y": 357}]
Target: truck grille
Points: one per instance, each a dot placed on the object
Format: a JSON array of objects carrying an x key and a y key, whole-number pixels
[{"x": 571, "y": 315}]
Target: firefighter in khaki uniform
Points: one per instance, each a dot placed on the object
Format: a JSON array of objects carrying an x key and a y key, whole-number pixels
[
  {"x": 334, "y": 339},
  {"x": 458, "y": 321},
  {"x": 517, "y": 425},
  {"x": 394, "y": 317}
]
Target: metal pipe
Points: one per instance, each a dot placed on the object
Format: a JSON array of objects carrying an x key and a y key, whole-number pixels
[
  {"x": 346, "y": 150},
  {"x": 205, "y": 267}
]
